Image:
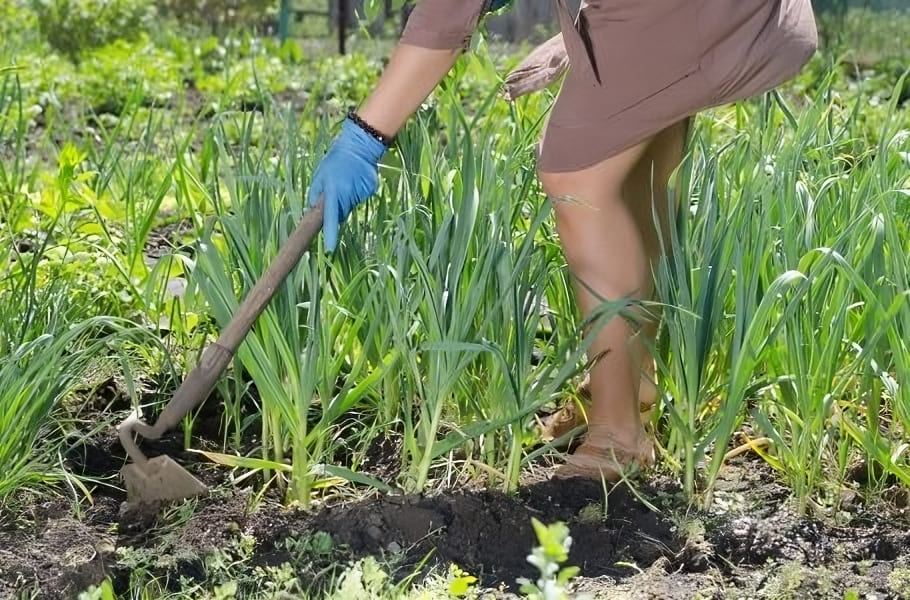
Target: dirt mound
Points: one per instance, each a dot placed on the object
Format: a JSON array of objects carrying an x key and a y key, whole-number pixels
[{"x": 490, "y": 534}]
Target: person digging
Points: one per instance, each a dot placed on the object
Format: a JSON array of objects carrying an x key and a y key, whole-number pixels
[{"x": 634, "y": 74}]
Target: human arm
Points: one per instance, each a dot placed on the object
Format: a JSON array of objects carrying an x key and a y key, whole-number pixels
[
  {"x": 436, "y": 34},
  {"x": 412, "y": 73}
]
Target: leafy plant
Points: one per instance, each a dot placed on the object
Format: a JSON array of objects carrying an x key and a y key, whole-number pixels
[
  {"x": 299, "y": 352},
  {"x": 553, "y": 550},
  {"x": 43, "y": 360},
  {"x": 128, "y": 71},
  {"x": 781, "y": 285},
  {"x": 217, "y": 15},
  {"x": 103, "y": 591},
  {"x": 73, "y": 27}
]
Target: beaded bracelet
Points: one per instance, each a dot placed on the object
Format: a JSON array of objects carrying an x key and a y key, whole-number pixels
[{"x": 384, "y": 139}]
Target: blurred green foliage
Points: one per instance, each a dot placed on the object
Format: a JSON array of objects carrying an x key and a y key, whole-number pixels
[
  {"x": 72, "y": 27},
  {"x": 218, "y": 15}
]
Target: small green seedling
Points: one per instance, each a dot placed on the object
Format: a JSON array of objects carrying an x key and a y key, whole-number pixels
[{"x": 553, "y": 550}]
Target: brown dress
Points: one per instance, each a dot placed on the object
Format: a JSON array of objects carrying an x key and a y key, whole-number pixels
[{"x": 639, "y": 66}]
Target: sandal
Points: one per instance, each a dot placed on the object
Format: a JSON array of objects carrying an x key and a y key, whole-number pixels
[
  {"x": 610, "y": 462},
  {"x": 572, "y": 414}
]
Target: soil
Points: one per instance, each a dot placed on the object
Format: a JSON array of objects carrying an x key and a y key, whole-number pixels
[
  {"x": 753, "y": 545},
  {"x": 636, "y": 543}
]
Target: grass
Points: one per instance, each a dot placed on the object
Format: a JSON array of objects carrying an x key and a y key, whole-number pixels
[{"x": 785, "y": 296}]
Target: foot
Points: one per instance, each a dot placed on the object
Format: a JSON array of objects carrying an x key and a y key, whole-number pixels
[
  {"x": 566, "y": 418},
  {"x": 608, "y": 459},
  {"x": 572, "y": 414}
]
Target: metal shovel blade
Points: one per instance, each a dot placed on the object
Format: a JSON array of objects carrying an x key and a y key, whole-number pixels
[{"x": 159, "y": 479}]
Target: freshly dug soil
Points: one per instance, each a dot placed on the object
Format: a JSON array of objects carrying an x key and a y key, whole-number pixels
[{"x": 636, "y": 544}]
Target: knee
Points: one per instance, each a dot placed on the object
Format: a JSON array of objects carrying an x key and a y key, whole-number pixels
[
  {"x": 577, "y": 230},
  {"x": 557, "y": 185},
  {"x": 587, "y": 212},
  {"x": 572, "y": 221},
  {"x": 562, "y": 189}
]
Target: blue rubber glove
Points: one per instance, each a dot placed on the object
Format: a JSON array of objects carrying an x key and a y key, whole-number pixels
[{"x": 346, "y": 177}]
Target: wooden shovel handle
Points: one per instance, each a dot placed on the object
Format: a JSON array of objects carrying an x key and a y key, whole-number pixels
[{"x": 216, "y": 357}]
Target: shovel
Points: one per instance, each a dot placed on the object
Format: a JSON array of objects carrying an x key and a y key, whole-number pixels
[{"x": 161, "y": 478}]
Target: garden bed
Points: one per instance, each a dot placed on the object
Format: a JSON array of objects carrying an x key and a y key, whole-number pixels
[{"x": 642, "y": 542}]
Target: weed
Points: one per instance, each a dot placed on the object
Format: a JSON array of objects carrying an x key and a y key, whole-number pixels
[
  {"x": 899, "y": 582},
  {"x": 553, "y": 550}
]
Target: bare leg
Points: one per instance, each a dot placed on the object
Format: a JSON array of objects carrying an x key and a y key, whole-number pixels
[
  {"x": 646, "y": 189},
  {"x": 605, "y": 224}
]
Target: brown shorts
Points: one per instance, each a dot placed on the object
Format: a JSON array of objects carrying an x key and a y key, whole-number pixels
[{"x": 657, "y": 62}]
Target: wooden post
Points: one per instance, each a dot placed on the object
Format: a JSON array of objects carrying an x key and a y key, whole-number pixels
[
  {"x": 284, "y": 18},
  {"x": 342, "y": 24}
]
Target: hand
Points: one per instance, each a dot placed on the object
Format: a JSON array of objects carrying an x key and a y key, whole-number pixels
[{"x": 346, "y": 177}]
